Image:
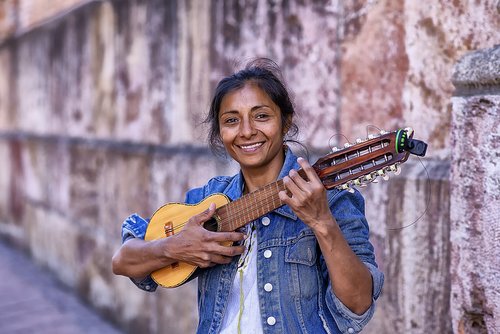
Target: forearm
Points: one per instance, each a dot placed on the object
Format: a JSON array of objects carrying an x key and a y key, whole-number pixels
[
  {"x": 351, "y": 279},
  {"x": 138, "y": 258}
]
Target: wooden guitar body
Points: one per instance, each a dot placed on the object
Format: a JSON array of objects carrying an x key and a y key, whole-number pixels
[{"x": 169, "y": 220}]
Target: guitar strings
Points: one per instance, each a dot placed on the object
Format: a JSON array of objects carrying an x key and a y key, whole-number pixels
[
  {"x": 268, "y": 197},
  {"x": 428, "y": 188},
  {"x": 233, "y": 217},
  {"x": 337, "y": 135},
  {"x": 428, "y": 193}
]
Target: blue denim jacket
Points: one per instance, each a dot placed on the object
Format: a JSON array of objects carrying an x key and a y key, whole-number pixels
[{"x": 288, "y": 257}]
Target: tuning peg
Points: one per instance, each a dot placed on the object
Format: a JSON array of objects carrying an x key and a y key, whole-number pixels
[
  {"x": 347, "y": 186},
  {"x": 398, "y": 170},
  {"x": 383, "y": 173},
  {"x": 409, "y": 131}
]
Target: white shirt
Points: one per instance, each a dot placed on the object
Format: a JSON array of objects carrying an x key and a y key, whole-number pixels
[{"x": 243, "y": 311}]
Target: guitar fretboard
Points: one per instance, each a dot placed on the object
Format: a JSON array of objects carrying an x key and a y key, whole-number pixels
[{"x": 249, "y": 207}]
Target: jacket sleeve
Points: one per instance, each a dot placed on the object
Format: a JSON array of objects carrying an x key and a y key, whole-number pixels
[
  {"x": 135, "y": 227},
  {"x": 348, "y": 210}
]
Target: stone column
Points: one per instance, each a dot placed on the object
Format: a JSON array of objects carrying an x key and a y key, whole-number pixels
[{"x": 475, "y": 194}]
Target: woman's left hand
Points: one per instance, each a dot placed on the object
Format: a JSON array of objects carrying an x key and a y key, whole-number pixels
[{"x": 307, "y": 198}]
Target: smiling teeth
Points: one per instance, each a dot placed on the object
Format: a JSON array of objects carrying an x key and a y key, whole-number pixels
[{"x": 251, "y": 146}]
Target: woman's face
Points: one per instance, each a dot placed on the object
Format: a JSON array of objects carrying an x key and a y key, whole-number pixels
[{"x": 251, "y": 129}]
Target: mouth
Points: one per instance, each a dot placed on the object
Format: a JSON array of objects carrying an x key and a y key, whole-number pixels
[{"x": 248, "y": 148}]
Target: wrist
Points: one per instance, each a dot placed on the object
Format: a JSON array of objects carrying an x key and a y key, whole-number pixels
[
  {"x": 327, "y": 228},
  {"x": 165, "y": 253}
]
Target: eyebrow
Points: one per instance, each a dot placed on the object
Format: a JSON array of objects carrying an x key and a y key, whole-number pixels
[{"x": 253, "y": 109}]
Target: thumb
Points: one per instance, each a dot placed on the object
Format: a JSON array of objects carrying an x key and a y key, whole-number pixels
[{"x": 205, "y": 215}]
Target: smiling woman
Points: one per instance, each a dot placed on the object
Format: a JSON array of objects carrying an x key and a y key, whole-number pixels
[
  {"x": 306, "y": 266},
  {"x": 252, "y": 133}
]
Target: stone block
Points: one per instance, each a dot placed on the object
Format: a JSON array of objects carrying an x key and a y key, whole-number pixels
[{"x": 475, "y": 196}]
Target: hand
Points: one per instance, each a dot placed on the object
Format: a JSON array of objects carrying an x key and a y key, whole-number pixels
[
  {"x": 307, "y": 198},
  {"x": 197, "y": 246}
]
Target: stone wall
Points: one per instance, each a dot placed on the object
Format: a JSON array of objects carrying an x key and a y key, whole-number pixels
[
  {"x": 101, "y": 104},
  {"x": 475, "y": 194}
]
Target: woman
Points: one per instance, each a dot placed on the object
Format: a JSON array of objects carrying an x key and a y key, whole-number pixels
[{"x": 307, "y": 266}]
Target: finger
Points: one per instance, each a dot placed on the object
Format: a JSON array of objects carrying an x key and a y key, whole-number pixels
[
  {"x": 205, "y": 215},
  {"x": 229, "y": 251},
  {"x": 288, "y": 198},
  {"x": 310, "y": 172},
  {"x": 298, "y": 180},
  {"x": 291, "y": 186},
  {"x": 225, "y": 236}
]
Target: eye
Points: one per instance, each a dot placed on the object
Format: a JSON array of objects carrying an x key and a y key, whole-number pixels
[
  {"x": 230, "y": 120},
  {"x": 262, "y": 116}
]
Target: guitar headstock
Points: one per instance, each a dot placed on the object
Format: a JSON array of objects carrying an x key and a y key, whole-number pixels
[{"x": 364, "y": 161}]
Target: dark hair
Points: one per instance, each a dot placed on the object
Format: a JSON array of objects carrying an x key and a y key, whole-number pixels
[{"x": 266, "y": 74}]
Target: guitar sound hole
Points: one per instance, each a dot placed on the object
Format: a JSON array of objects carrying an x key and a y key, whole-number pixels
[{"x": 211, "y": 225}]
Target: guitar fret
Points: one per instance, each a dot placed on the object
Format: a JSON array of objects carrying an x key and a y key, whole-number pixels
[
  {"x": 274, "y": 205},
  {"x": 256, "y": 204},
  {"x": 230, "y": 217}
]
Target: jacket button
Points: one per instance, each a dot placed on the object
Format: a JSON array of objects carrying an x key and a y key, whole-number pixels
[
  {"x": 268, "y": 287},
  {"x": 265, "y": 221},
  {"x": 350, "y": 330},
  {"x": 271, "y": 321},
  {"x": 268, "y": 253}
]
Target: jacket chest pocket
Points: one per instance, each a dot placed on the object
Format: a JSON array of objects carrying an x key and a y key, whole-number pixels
[{"x": 301, "y": 256}]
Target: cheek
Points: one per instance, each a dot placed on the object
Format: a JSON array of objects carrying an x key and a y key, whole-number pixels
[{"x": 226, "y": 137}]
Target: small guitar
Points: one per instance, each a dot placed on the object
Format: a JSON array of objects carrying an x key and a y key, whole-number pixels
[{"x": 354, "y": 165}]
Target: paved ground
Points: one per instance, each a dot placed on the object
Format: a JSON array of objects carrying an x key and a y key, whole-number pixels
[{"x": 31, "y": 301}]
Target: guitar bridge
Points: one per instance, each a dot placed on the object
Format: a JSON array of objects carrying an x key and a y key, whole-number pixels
[{"x": 169, "y": 231}]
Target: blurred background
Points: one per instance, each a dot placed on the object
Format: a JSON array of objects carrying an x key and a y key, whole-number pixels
[{"x": 101, "y": 110}]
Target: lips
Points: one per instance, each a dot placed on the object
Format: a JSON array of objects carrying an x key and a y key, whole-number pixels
[{"x": 250, "y": 147}]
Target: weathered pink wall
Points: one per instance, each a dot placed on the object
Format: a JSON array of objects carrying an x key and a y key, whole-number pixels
[
  {"x": 100, "y": 113},
  {"x": 475, "y": 194}
]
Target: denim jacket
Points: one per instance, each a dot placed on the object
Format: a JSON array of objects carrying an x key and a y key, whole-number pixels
[{"x": 289, "y": 258}]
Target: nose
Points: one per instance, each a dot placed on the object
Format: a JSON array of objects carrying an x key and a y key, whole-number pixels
[{"x": 247, "y": 129}]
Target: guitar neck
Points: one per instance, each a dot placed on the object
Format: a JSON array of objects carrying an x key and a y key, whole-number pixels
[
  {"x": 250, "y": 207},
  {"x": 356, "y": 164}
]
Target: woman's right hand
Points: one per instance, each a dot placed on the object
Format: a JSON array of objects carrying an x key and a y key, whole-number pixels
[
  {"x": 194, "y": 244},
  {"x": 197, "y": 246}
]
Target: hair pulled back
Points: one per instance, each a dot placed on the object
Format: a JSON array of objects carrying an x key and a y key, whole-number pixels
[{"x": 266, "y": 74}]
